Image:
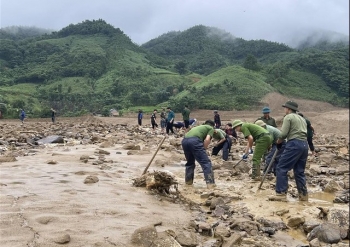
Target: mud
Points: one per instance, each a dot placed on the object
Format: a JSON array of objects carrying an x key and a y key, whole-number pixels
[{"x": 45, "y": 203}]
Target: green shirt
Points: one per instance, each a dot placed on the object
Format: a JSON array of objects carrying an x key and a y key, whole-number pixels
[
  {"x": 186, "y": 114},
  {"x": 269, "y": 121},
  {"x": 274, "y": 132},
  {"x": 201, "y": 132},
  {"x": 219, "y": 134},
  {"x": 293, "y": 127},
  {"x": 252, "y": 129}
]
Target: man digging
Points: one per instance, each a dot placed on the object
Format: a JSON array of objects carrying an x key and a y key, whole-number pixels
[
  {"x": 275, "y": 133},
  {"x": 194, "y": 144},
  {"x": 262, "y": 139},
  {"x": 224, "y": 143},
  {"x": 294, "y": 155}
]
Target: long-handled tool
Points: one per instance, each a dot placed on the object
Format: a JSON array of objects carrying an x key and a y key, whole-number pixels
[
  {"x": 268, "y": 168},
  {"x": 154, "y": 155},
  {"x": 237, "y": 163}
]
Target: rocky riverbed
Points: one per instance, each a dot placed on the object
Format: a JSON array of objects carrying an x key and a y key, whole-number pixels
[{"x": 73, "y": 183}]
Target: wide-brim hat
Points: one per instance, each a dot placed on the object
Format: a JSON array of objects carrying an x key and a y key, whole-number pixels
[
  {"x": 261, "y": 123},
  {"x": 291, "y": 105},
  {"x": 236, "y": 123}
]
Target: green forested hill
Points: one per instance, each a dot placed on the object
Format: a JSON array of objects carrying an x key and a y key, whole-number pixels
[{"x": 93, "y": 67}]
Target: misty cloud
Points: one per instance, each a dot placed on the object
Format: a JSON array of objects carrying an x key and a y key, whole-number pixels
[{"x": 276, "y": 20}]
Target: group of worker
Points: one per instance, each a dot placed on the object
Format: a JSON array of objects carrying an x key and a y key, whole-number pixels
[{"x": 286, "y": 148}]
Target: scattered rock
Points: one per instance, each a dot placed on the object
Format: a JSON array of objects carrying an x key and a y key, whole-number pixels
[
  {"x": 50, "y": 139},
  {"x": 91, "y": 179},
  {"x": 296, "y": 221},
  {"x": 332, "y": 186},
  {"x": 234, "y": 240},
  {"x": 187, "y": 239},
  {"x": 310, "y": 225},
  {"x": 101, "y": 151},
  {"x": 52, "y": 162},
  {"x": 62, "y": 239},
  {"x": 144, "y": 236}
]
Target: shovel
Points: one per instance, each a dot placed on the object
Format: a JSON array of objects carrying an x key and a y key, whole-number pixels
[
  {"x": 154, "y": 155},
  {"x": 268, "y": 168}
]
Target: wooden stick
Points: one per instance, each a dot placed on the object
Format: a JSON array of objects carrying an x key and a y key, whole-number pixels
[
  {"x": 154, "y": 155},
  {"x": 268, "y": 168}
]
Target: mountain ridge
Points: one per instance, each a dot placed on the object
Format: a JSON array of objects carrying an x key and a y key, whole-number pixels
[{"x": 92, "y": 67}]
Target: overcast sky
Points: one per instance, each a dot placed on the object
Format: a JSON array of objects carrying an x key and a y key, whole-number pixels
[{"x": 142, "y": 20}]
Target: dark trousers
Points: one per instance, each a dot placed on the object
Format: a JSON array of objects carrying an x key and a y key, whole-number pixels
[
  {"x": 225, "y": 146},
  {"x": 194, "y": 151},
  {"x": 169, "y": 126},
  {"x": 154, "y": 124},
  {"x": 139, "y": 121},
  {"x": 310, "y": 143},
  {"x": 187, "y": 123},
  {"x": 293, "y": 157},
  {"x": 277, "y": 158}
]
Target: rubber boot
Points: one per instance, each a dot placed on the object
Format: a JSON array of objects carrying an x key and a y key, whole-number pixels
[
  {"x": 209, "y": 178},
  {"x": 256, "y": 173},
  {"x": 189, "y": 178},
  {"x": 211, "y": 186},
  {"x": 304, "y": 198}
]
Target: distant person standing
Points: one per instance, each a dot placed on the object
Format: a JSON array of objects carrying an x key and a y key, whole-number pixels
[
  {"x": 153, "y": 119},
  {"x": 170, "y": 121},
  {"x": 186, "y": 117},
  {"x": 217, "y": 119},
  {"x": 22, "y": 115},
  {"x": 53, "y": 115},
  {"x": 266, "y": 117},
  {"x": 139, "y": 117},
  {"x": 163, "y": 117},
  {"x": 310, "y": 134}
]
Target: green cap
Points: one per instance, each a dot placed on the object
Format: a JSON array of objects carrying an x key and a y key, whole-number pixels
[{"x": 236, "y": 123}]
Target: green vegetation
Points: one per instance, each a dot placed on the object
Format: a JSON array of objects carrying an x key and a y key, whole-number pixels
[{"x": 94, "y": 67}]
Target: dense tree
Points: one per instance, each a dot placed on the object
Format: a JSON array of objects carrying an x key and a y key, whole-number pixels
[{"x": 251, "y": 63}]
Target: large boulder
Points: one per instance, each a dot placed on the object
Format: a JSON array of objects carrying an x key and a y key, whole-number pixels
[
  {"x": 326, "y": 232},
  {"x": 50, "y": 139}
]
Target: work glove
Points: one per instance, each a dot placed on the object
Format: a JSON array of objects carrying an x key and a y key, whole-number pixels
[
  {"x": 279, "y": 146},
  {"x": 245, "y": 156},
  {"x": 251, "y": 151}
]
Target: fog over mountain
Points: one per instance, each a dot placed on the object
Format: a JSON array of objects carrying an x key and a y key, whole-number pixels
[{"x": 288, "y": 21}]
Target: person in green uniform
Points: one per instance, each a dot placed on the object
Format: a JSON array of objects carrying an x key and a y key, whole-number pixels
[
  {"x": 294, "y": 155},
  {"x": 275, "y": 133},
  {"x": 194, "y": 144},
  {"x": 224, "y": 143},
  {"x": 266, "y": 117},
  {"x": 262, "y": 139},
  {"x": 186, "y": 117}
]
